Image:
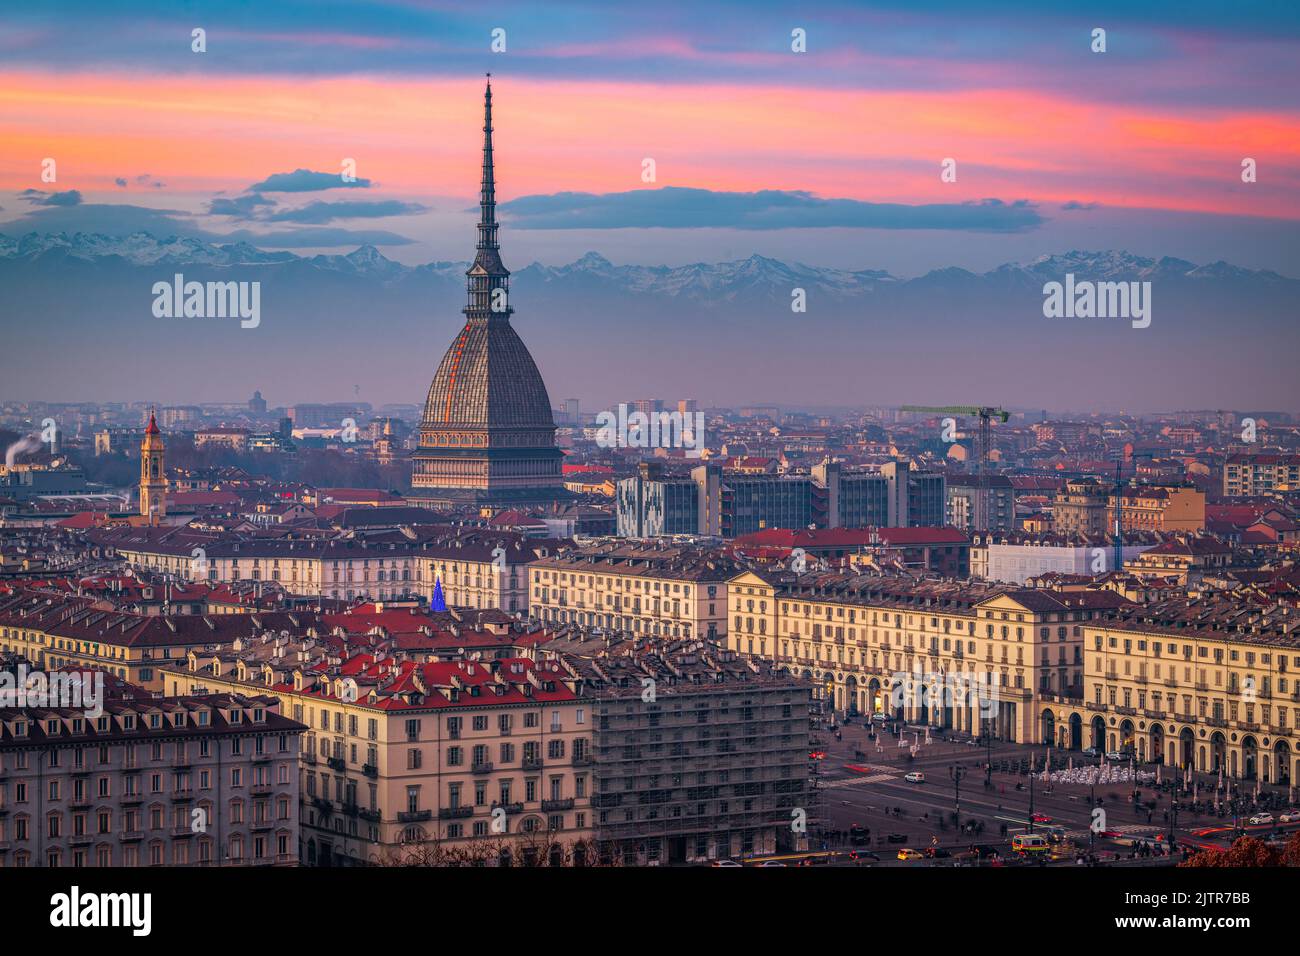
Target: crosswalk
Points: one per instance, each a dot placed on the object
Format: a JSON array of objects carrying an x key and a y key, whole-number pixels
[{"x": 854, "y": 781}]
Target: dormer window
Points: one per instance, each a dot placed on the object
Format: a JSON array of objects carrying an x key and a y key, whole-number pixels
[
  {"x": 52, "y": 727},
  {"x": 155, "y": 721},
  {"x": 204, "y": 718}
]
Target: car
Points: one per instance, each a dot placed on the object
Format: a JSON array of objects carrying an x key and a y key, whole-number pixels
[
  {"x": 771, "y": 863},
  {"x": 1117, "y": 755},
  {"x": 1261, "y": 818},
  {"x": 864, "y": 856},
  {"x": 1091, "y": 752},
  {"x": 914, "y": 777},
  {"x": 897, "y": 838},
  {"x": 1109, "y": 834},
  {"x": 725, "y": 863},
  {"x": 859, "y": 835},
  {"x": 1041, "y": 818},
  {"x": 879, "y": 718},
  {"x": 936, "y": 853},
  {"x": 1056, "y": 835},
  {"x": 816, "y": 755},
  {"x": 1289, "y": 816},
  {"x": 906, "y": 854}
]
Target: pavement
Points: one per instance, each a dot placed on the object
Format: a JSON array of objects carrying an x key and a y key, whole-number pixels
[{"x": 863, "y": 785}]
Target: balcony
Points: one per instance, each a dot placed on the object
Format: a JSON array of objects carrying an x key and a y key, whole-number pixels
[
  {"x": 261, "y": 789},
  {"x": 510, "y": 808},
  {"x": 182, "y": 796},
  {"x": 370, "y": 770},
  {"x": 554, "y": 805},
  {"x": 309, "y": 759},
  {"x": 180, "y": 832},
  {"x": 584, "y": 761},
  {"x": 481, "y": 768},
  {"x": 336, "y": 763},
  {"x": 1216, "y": 721},
  {"x": 374, "y": 816},
  {"x": 132, "y": 836},
  {"x": 532, "y": 763},
  {"x": 455, "y": 813}
]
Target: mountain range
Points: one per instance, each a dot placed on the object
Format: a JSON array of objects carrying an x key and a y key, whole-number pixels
[{"x": 721, "y": 332}]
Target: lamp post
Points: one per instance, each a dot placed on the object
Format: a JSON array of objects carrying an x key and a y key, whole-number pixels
[
  {"x": 1092, "y": 803},
  {"x": 988, "y": 754},
  {"x": 955, "y": 774},
  {"x": 1031, "y": 797}
]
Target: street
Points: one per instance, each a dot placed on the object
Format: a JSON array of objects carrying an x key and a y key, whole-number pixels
[{"x": 861, "y": 784}]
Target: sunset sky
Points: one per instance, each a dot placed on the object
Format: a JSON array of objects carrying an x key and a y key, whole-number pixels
[{"x": 828, "y": 157}]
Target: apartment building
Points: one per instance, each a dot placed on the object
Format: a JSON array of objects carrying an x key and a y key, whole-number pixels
[
  {"x": 637, "y": 589},
  {"x": 1159, "y": 508},
  {"x": 473, "y": 568},
  {"x": 726, "y": 502},
  {"x": 54, "y": 630},
  {"x": 1083, "y": 508},
  {"x": 972, "y": 657},
  {"x": 1261, "y": 474},
  {"x": 189, "y": 781},
  {"x": 1206, "y": 682},
  {"x": 976, "y": 503},
  {"x": 411, "y": 760},
  {"x": 700, "y": 754}
]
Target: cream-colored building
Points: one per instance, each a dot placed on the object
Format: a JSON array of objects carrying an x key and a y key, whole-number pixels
[
  {"x": 447, "y": 761},
  {"x": 53, "y": 631},
  {"x": 971, "y": 657},
  {"x": 1206, "y": 683},
  {"x": 638, "y": 589},
  {"x": 478, "y": 570}
]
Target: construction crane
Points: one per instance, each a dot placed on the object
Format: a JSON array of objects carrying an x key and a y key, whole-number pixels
[{"x": 986, "y": 415}]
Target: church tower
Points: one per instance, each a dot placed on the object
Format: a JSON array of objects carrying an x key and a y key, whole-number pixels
[
  {"x": 153, "y": 478},
  {"x": 487, "y": 436}
]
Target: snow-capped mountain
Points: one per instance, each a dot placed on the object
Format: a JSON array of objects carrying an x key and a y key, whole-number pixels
[
  {"x": 638, "y": 329},
  {"x": 720, "y": 282}
]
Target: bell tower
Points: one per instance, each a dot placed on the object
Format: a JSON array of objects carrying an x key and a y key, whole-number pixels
[{"x": 153, "y": 479}]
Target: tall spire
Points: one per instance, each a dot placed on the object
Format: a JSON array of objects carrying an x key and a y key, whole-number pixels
[
  {"x": 489, "y": 279},
  {"x": 487, "y": 224}
]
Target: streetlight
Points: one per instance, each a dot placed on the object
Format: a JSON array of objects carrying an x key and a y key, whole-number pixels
[
  {"x": 1031, "y": 796},
  {"x": 1092, "y": 819},
  {"x": 988, "y": 754},
  {"x": 955, "y": 774}
]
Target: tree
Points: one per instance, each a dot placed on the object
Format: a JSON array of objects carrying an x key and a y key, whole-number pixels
[{"x": 1245, "y": 852}]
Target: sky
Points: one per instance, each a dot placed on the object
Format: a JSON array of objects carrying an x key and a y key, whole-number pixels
[{"x": 830, "y": 156}]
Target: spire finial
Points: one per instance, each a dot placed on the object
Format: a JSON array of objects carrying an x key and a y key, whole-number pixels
[
  {"x": 487, "y": 226},
  {"x": 488, "y": 278}
]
